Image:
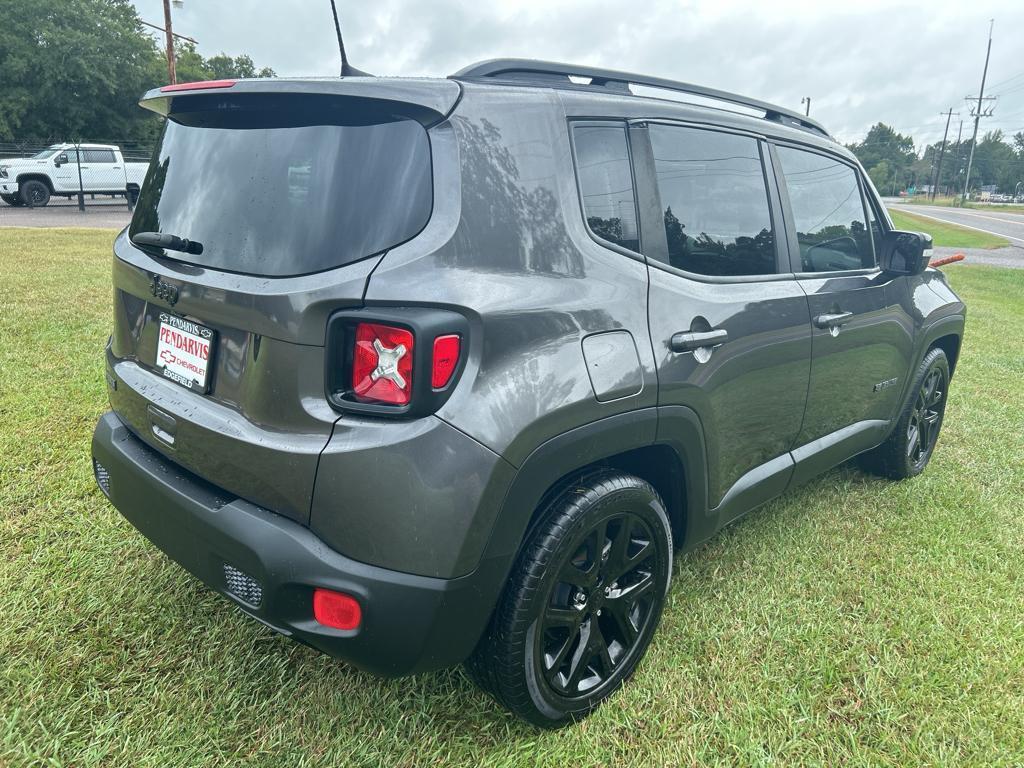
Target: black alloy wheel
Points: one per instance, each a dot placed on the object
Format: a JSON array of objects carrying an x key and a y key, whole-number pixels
[
  {"x": 601, "y": 601},
  {"x": 910, "y": 445},
  {"x": 926, "y": 418},
  {"x": 582, "y": 602}
]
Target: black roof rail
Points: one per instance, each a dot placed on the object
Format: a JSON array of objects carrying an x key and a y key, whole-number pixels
[{"x": 552, "y": 73}]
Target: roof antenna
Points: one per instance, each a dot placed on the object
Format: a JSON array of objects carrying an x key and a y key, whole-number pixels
[{"x": 347, "y": 70}]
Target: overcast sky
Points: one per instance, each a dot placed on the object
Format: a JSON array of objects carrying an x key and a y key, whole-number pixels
[{"x": 860, "y": 62}]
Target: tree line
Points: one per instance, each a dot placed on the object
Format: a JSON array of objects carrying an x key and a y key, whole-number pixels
[
  {"x": 75, "y": 69},
  {"x": 895, "y": 163}
]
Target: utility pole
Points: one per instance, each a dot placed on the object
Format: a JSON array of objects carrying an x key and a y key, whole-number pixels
[
  {"x": 172, "y": 76},
  {"x": 956, "y": 161},
  {"x": 938, "y": 171},
  {"x": 977, "y": 112},
  {"x": 807, "y": 100}
]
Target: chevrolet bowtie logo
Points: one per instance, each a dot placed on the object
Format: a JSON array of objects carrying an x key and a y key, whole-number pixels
[{"x": 162, "y": 290}]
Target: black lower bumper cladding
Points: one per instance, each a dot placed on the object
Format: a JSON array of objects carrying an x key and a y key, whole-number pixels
[{"x": 269, "y": 565}]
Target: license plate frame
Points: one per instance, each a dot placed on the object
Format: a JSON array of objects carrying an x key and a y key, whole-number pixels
[{"x": 184, "y": 352}]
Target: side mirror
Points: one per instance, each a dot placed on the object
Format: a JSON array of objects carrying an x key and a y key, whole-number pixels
[
  {"x": 905, "y": 253},
  {"x": 61, "y": 159}
]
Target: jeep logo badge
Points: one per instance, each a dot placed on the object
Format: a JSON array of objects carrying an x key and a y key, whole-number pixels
[{"x": 162, "y": 290}]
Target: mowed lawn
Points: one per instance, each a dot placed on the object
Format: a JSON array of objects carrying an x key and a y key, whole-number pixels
[
  {"x": 854, "y": 621},
  {"x": 945, "y": 234}
]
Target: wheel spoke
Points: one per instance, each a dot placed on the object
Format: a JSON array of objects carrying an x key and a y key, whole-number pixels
[
  {"x": 620, "y": 613},
  {"x": 618, "y": 554},
  {"x": 580, "y": 658},
  {"x": 630, "y": 594},
  {"x": 600, "y": 647},
  {"x": 913, "y": 440},
  {"x": 553, "y": 663}
]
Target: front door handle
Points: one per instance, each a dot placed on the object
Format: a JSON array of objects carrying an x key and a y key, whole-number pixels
[
  {"x": 834, "y": 320},
  {"x": 690, "y": 341}
]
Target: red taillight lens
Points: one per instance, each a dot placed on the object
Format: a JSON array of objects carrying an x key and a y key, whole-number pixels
[
  {"x": 446, "y": 357},
  {"x": 198, "y": 86},
  {"x": 382, "y": 364},
  {"x": 336, "y": 609}
]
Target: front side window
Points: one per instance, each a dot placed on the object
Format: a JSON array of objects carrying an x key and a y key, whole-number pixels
[
  {"x": 714, "y": 201},
  {"x": 606, "y": 183},
  {"x": 827, "y": 211}
]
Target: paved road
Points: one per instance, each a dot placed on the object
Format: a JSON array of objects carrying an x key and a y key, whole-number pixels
[
  {"x": 995, "y": 222},
  {"x": 112, "y": 214}
]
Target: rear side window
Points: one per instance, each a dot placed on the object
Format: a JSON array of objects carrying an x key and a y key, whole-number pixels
[
  {"x": 714, "y": 201},
  {"x": 281, "y": 185},
  {"x": 827, "y": 211},
  {"x": 606, "y": 183},
  {"x": 97, "y": 156}
]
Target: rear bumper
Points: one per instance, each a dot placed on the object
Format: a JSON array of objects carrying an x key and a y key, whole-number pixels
[{"x": 410, "y": 623}]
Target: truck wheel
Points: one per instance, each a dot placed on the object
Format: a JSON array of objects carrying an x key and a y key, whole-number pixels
[
  {"x": 34, "y": 193},
  {"x": 582, "y": 602},
  {"x": 11, "y": 199},
  {"x": 909, "y": 448}
]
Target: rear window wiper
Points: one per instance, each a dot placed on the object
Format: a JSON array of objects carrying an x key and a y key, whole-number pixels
[{"x": 167, "y": 242}]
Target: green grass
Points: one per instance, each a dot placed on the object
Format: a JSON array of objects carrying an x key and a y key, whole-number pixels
[
  {"x": 854, "y": 621},
  {"x": 954, "y": 202},
  {"x": 945, "y": 234}
]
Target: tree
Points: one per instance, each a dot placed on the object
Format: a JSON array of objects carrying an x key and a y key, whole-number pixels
[
  {"x": 76, "y": 68},
  {"x": 73, "y": 68},
  {"x": 883, "y": 144},
  {"x": 223, "y": 67},
  {"x": 881, "y": 176}
]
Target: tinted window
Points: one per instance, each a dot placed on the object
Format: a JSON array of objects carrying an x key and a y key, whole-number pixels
[
  {"x": 827, "y": 211},
  {"x": 714, "y": 201},
  {"x": 606, "y": 183},
  {"x": 286, "y": 185},
  {"x": 97, "y": 156}
]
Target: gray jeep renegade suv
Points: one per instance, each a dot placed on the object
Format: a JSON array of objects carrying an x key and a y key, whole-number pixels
[{"x": 429, "y": 371}]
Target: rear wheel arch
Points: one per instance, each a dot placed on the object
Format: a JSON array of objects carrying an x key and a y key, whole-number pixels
[{"x": 629, "y": 442}]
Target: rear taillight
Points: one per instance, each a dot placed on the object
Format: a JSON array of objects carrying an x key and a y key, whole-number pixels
[
  {"x": 336, "y": 609},
  {"x": 382, "y": 364},
  {"x": 401, "y": 362}
]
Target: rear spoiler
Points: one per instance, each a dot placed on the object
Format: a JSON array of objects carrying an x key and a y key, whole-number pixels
[{"x": 425, "y": 100}]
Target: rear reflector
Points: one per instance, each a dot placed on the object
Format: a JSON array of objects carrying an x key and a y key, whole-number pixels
[
  {"x": 446, "y": 358},
  {"x": 198, "y": 86},
  {"x": 243, "y": 586},
  {"x": 382, "y": 364},
  {"x": 336, "y": 609}
]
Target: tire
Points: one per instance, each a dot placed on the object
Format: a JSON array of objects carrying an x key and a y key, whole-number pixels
[
  {"x": 909, "y": 448},
  {"x": 11, "y": 199},
  {"x": 34, "y": 193},
  {"x": 565, "y": 593}
]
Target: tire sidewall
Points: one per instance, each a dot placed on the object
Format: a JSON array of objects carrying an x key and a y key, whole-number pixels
[
  {"x": 935, "y": 358},
  {"x": 643, "y": 502},
  {"x": 25, "y": 192}
]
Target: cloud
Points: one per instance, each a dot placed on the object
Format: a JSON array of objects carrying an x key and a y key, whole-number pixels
[{"x": 860, "y": 62}]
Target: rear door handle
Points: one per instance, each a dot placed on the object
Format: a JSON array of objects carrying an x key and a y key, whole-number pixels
[
  {"x": 835, "y": 320},
  {"x": 689, "y": 341}
]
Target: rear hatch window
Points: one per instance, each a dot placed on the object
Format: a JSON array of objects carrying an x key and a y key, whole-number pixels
[{"x": 284, "y": 185}]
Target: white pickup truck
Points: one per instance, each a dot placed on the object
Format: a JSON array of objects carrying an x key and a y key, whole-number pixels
[{"x": 55, "y": 172}]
